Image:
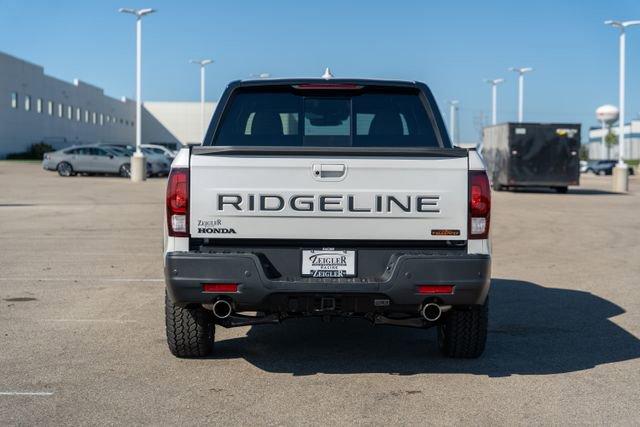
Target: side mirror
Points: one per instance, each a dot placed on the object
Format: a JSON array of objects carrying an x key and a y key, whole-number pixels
[{"x": 111, "y": 156}]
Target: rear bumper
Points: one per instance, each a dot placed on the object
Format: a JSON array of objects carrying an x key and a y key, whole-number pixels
[{"x": 186, "y": 272}]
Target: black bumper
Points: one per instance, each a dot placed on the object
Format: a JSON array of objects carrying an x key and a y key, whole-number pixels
[{"x": 186, "y": 272}]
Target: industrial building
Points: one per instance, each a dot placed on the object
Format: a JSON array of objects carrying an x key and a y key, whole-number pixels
[
  {"x": 631, "y": 137},
  {"x": 35, "y": 107}
]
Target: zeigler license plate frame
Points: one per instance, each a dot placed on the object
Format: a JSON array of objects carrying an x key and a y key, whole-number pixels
[{"x": 328, "y": 263}]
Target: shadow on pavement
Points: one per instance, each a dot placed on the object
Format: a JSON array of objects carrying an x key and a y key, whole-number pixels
[
  {"x": 572, "y": 190},
  {"x": 533, "y": 330}
]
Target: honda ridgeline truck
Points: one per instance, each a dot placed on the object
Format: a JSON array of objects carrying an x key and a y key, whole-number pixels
[{"x": 316, "y": 197}]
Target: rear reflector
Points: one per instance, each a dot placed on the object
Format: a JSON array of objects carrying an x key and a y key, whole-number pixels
[
  {"x": 220, "y": 287},
  {"x": 435, "y": 289}
]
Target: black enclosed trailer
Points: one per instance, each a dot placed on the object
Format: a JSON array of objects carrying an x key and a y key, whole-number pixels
[{"x": 532, "y": 155}]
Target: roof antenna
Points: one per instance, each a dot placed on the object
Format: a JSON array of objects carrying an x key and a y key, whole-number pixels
[{"x": 327, "y": 74}]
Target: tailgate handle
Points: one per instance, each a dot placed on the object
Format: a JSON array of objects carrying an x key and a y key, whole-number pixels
[{"x": 329, "y": 170}]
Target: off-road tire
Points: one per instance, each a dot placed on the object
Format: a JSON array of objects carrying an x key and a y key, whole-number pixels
[
  {"x": 190, "y": 331},
  {"x": 463, "y": 332}
]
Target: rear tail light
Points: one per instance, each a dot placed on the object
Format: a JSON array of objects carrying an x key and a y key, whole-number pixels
[
  {"x": 479, "y": 205},
  {"x": 435, "y": 289},
  {"x": 220, "y": 287},
  {"x": 178, "y": 203}
]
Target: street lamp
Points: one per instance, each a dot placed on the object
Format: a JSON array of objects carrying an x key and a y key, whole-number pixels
[
  {"x": 521, "y": 72},
  {"x": 622, "y": 25},
  {"x": 494, "y": 98},
  {"x": 138, "y": 162},
  {"x": 202, "y": 63},
  {"x": 453, "y": 109}
]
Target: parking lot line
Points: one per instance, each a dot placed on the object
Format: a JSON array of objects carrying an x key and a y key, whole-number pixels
[
  {"x": 91, "y": 320},
  {"x": 26, "y": 393},
  {"x": 66, "y": 279}
]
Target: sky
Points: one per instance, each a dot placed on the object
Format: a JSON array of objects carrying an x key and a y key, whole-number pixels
[{"x": 450, "y": 45}]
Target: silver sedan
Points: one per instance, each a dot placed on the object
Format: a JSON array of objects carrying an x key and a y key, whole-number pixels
[{"x": 87, "y": 159}]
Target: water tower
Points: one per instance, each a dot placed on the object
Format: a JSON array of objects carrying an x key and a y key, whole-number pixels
[{"x": 606, "y": 115}]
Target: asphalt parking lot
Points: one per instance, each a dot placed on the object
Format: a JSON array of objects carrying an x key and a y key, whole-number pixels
[{"x": 82, "y": 326}]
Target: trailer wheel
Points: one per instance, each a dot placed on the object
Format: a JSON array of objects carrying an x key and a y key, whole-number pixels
[
  {"x": 496, "y": 186},
  {"x": 561, "y": 190}
]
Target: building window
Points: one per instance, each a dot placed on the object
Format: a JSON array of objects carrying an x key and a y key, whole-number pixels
[
  {"x": 93, "y": 118},
  {"x": 86, "y": 116},
  {"x": 101, "y": 119},
  {"x": 60, "y": 110},
  {"x": 69, "y": 112},
  {"x": 50, "y": 108},
  {"x": 108, "y": 118},
  {"x": 78, "y": 114},
  {"x": 39, "y": 105},
  {"x": 27, "y": 103},
  {"x": 14, "y": 99}
]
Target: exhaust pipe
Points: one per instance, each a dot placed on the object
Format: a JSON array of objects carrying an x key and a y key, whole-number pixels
[
  {"x": 431, "y": 312},
  {"x": 222, "y": 309}
]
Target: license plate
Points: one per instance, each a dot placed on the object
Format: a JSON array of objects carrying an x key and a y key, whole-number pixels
[{"x": 328, "y": 263}]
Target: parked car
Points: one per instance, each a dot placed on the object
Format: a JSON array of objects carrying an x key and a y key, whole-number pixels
[
  {"x": 160, "y": 149},
  {"x": 87, "y": 159},
  {"x": 583, "y": 166},
  {"x": 157, "y": 164},
  {"x": 604, "y": 167}
]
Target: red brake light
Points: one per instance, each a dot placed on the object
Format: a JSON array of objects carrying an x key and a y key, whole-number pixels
[
  {"x": 479, "y": 205},
  {"x": 178, "y": 203},
  {"x": 321, "y": 86},
  {"x": 435, "y": 289},
  {"x": 220, "y": 287}
]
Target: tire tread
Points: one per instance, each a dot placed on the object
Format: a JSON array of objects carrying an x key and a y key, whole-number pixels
[
  {"x": 466, "y": 332},
  {"x": 190, "y": 331}
]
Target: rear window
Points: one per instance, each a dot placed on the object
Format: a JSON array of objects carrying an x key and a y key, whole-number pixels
[{"x": 326, "y": 118}]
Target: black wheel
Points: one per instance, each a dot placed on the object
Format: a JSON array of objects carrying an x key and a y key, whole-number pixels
[
  {"x": 65, "y": 169},
  {"x": 190, "y": 331},
  {"x": 125, "y": 170},
  {"x": 463, "y": 333},
  {"x": 148, "y": 171},
  {"x": 561, "y": 190}
]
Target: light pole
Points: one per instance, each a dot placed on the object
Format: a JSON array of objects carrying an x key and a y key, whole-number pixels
[
  {"x": 620, "y": 172},
  {"x": 494, "y": 98},
  {"x": 202, "y": 63},
  {"x": 453, "y": 109},
  {"x": 521, "y": 71},
  {"x": 621, "y": 25},
  {"x": 138, "y": 163}
]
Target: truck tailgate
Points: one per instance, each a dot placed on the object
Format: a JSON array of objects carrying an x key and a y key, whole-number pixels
[{"x": 337, "y": 198}]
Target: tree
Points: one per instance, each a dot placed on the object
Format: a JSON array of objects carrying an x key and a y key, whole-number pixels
[{"x": 610, "y": 140}]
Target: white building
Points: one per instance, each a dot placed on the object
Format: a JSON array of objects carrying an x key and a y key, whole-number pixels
[
  {"x": 35, "y": 107},
  {"x": 632, "y": 142},
  {"x": 166, "y": 122}
]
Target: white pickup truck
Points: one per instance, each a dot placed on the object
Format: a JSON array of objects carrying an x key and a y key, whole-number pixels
[{"x": 314, "y": 197}]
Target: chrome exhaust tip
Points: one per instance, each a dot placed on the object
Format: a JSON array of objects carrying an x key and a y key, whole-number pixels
[
  {"x": 222, "y": 309},
  {"x": 431, "y": 312}
]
